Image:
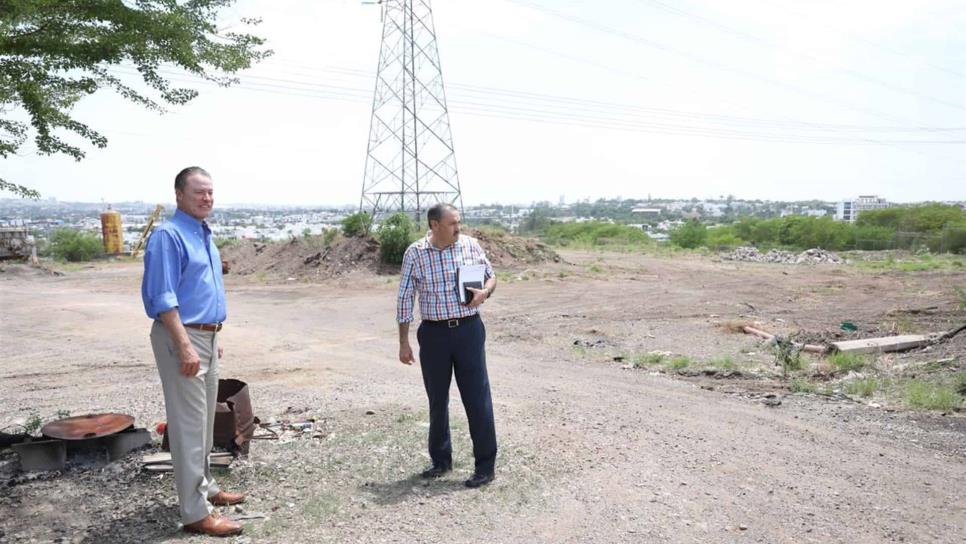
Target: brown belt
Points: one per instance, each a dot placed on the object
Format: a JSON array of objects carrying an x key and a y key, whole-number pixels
[{"x": 210, "y": 327}]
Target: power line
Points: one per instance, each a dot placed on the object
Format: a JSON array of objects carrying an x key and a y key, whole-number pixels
[
  {"x": 565, "y": 117},
  {"x": 887, "y": 48},
  {"x": 697, "y": 58},
  {"x": 757, "y": 39},
  {"x": 603, "y": 105}
]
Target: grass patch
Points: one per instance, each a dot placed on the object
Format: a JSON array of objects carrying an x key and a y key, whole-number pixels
[
  {"x": 801, "y": 385},
  {"x": 914, "y": 263},
  {"x": 723, "y": 363},
  {"x": 932, "y": 396},
  {"x": 846, "y": 362},
  {"x": 647, "y": 359},
  {"x": 595, "y": 268},
  {"x": 678, "y": 363},
  {"x": 865, "y": 387}
]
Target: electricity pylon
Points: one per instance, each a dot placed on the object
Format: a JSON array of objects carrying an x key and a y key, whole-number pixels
[{"x": 410, "y": 163}]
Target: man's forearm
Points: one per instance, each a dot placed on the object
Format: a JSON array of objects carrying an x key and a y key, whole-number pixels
[
  {"x": 172, "y": 322},
  {"x": 404, "y": 334},
  {"x": 490, "y": 286}
]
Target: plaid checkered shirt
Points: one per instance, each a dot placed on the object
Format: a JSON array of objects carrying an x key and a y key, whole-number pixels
[{"x": 432, "y": 273}]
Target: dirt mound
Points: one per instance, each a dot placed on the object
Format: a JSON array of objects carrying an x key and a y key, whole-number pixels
[
  {"x": 508, "y": 251},
  {"x": 303, "y": 258},
  {"x": 312, "y": 258}
]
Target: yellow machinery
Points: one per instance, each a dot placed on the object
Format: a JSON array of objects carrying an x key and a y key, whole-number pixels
[{"x": 147, "y": 230}]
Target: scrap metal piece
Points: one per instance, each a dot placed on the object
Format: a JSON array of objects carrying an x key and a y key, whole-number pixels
[{"x": 87, "y": 427}]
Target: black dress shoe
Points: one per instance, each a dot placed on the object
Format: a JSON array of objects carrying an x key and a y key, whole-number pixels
[
  {"x": 477, "y": 480},
  {"x": 436, "y": 471}
]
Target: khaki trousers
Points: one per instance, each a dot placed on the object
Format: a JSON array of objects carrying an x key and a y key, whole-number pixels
[{"x": 190, "y": 407}]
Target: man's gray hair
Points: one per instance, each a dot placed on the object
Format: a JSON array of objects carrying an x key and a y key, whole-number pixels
[
  {"x": 435, "y": 213},
  {"x": 182, "y": 178}
]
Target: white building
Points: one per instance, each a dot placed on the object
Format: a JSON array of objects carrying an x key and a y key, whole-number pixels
[{"x": 848, "y": 210}]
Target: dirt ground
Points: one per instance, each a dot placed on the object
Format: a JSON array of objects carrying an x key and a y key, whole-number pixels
[{"x": 591, "y": 450}]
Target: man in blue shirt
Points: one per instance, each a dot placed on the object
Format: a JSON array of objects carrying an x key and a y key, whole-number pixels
[{"x": 184, "y": 294}]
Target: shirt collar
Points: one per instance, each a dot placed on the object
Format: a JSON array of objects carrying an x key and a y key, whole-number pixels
[
  {"x": 188, "y": 221},
  {"x": 428, "y": 244}
]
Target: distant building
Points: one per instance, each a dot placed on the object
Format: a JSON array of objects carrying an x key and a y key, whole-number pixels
[
  {"x": 848, "y": 210},
  {"x": 647, "y": 211}
]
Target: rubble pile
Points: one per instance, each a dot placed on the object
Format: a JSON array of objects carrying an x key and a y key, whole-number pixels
[{"x": 751, "y": 254}]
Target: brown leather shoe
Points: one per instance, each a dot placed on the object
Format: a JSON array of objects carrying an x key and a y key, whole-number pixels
[
  {"x": 224, "y": 498},
  {"x": 214, "y": 526}
]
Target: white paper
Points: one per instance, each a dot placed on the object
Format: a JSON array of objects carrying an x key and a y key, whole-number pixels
[{"x": 472, "y": 275}]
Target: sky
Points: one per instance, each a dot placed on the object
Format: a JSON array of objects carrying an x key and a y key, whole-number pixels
[{"x": 551, "y": 99}]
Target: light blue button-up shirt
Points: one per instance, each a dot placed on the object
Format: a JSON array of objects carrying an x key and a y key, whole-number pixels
[{"x": 182, "y": 269}]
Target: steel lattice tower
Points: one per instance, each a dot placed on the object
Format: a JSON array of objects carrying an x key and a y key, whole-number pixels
[{"x": 410, "y": 163}]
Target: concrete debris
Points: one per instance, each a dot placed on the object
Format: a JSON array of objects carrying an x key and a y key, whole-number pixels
[{"x": 809, "y": 256}]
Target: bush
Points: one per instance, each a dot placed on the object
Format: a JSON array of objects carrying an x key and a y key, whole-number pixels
[
  {"x": 74, "y": 246},
  {"x": 692, "y": 234},
  {"x": 356, "y": 224},
  {"x": 723, "y": 238},
  {"x": 395, "y": 234},
  {"x": 594, "y": 233}
]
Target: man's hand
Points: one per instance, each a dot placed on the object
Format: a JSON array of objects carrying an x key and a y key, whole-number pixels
[
  {"x": 406, "y": 354},
  {"x": 221, "y": 352},
  {"x": 479, "y": 296},
  {"x": 190, "y": 362}
]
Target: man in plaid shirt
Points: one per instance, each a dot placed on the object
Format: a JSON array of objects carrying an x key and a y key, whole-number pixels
[{"x": 451, "y": 339}]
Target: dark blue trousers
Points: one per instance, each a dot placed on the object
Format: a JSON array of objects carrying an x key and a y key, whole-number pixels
[{"x": 443, "y": 352}]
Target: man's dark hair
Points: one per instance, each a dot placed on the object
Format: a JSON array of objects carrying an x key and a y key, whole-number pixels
[
  {"x": 435, "y": 213},
  {"x": 182, "y": 177}
]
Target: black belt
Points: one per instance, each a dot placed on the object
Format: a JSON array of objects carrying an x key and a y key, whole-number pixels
[
  {"x": 452, "y": 323},
  {"x": 210, "y": 327}
]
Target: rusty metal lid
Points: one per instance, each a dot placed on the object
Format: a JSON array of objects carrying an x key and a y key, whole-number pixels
[{"x": 89, "y": 426}]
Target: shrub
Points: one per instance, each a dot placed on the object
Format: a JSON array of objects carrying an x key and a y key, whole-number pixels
[
  {"x": 723, "y": 238},
  {"x": 356, "y": 224},
  {"x": 690, "y": 235},
  {"x": 646, "y": 359},
  {"x": 678, "y": 363},
  {"x": 395, "y": 234},
  {"x": 74, "y": 246},
  {"x": 594, "y": 233},
  {"x": 787, "y": 356}
]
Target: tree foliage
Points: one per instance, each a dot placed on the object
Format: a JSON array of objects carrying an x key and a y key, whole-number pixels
[{"x": 53, "y": 53}]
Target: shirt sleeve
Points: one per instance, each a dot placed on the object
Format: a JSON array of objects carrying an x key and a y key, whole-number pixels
[
  {"x": 162, "y": 273},
  {"x": 488, "y": 273},
  {"x": 407, "y": 287}
]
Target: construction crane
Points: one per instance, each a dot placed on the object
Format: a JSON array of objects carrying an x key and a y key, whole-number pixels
[{"x": 147, "y": 230}]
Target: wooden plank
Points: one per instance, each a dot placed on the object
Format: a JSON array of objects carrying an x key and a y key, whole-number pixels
[{"x": 877, "y": 345}]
